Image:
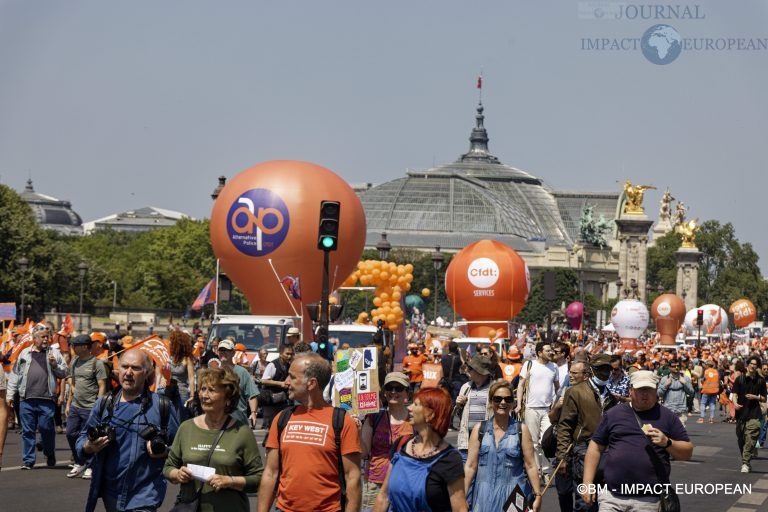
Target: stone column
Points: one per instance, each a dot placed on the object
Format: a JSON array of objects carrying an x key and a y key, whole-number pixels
[
  {"x": 633, "y": 234},
  {"x": 688, "y": 276}
]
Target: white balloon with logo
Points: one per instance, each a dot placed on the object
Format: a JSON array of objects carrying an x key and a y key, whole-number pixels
[
  {"x": 715, "y": 320},
  {"x": 630, "y": 318}
]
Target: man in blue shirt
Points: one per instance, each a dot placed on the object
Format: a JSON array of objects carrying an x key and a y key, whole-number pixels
[{"x": 128, "y": 461}]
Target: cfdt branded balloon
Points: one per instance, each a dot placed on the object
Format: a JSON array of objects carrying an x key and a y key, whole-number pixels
[
  {"x": 487, "y": 283},
  {"x": 574, "y": 312},
  {"x": 668, "y": 310},
  {"x": 715, "y": 320},
  {"x": 744, "y": 312},
  {"x": 264, "y": 230},
  {"x": 630, "y": 318}
]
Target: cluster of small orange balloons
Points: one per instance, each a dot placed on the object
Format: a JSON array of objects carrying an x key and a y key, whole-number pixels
[{"x": 391, "y": 281}]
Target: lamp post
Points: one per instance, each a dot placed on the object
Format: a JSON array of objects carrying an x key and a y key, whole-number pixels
[
  {"x": 114, "y": 295},
  {"x": 23, "y": 265},
  {"x": 647, "y": 293},
  {"x": 437, "y": 262},
  {"x": 82, "y": 268},
  {"x": 383, "y": 246},
  {"x": 619, "y": 284}
]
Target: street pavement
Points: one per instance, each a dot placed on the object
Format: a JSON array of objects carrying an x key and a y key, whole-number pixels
[{"x": 715, "y": 460}]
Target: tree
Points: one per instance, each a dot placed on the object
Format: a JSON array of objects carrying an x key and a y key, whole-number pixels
[
  {"x": 728, "y": 270},
  {"x": 537, "y": 309}
]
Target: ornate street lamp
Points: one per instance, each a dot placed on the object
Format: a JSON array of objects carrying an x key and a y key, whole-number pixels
[
  {"x": 603, "y": 284},
  {"x": 82, "y": 267},
  {"x": 437, "y": 262},
  {"x": 383, "y": 246},
  {"x": 23, "y": 265}
]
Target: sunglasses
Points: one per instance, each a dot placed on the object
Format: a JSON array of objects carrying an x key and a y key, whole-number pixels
[
  {"x": 485, "y": 353},
  {"x": 397, "y": 388},
  {"x": 505, "y": 399}
]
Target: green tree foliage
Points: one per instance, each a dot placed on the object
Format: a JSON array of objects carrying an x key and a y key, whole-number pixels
[
  {"x": 537, "y": 309},
  {"x": 728, "y": 269}
]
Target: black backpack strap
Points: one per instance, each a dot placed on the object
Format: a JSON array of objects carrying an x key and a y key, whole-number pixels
[
  {"x": 398, "y": 444},
  {"x": 165, "y": 411},
  {"x": 338, "y": 426},
  {"x": 282, "y": 422}
]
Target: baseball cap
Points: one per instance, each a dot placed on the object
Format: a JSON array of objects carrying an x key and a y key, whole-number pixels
[
  {"x": 397, "y": 377},
  {"x": 82, "y": 339},
  {"x": 643, "y": 379},
  {"x": 226, "y": 345}
]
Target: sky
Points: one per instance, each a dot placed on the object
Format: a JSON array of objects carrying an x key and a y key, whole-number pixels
[{"x": 116, "y": 106}]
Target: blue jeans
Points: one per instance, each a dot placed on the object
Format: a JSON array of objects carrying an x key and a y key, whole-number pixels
[
  {"x": 37, "y": 414},
  {"x": 708, "y": 400},
  {"x": 76, "y": 420}
]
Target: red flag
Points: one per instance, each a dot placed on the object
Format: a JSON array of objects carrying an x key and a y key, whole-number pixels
[
  {"x": 156, "y": 349},
  {"x": 480, "y": 82},
  {"x": 67, "y": 327},
  {"x": 207, "y": 296},
  {"x": 23, "y": 343},
  {"x": 293, "y": 286}
]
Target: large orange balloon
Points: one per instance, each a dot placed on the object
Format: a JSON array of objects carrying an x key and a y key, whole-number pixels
[
  {"x": 487, "y": 281},
  {"x": 271, "y": 212},
  {"x": 744, "y": 312},
  {"x": 669, "y": 311}
]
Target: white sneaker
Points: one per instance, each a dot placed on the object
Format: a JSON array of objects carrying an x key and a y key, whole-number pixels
[
  {"x": 744, "y": 468},
  {"x": 87, "y": 474},
  {"x": 76, "y": 471}
]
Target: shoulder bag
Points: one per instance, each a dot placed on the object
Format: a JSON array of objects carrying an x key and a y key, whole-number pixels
[
  {"x": 670, "y": 502},
  {"x": 194, "y": 505}
]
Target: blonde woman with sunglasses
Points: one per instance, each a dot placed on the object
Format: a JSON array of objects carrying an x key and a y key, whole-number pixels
[{"x": 500, "y": 458}]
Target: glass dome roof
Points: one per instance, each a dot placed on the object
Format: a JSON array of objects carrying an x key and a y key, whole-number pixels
[
  {"x": 474, "y": 198},
  {"x": 52, "y": 213}
]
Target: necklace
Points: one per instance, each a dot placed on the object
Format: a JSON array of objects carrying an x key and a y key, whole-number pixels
[{"x": 424, "y": 455}]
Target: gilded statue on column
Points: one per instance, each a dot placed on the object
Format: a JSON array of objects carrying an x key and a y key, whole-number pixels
[
  {"x": 634, "y": 194},
  {"x": 687, "y": 231}
]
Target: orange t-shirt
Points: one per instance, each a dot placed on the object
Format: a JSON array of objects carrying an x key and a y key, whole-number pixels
[
  {"x": 413, "y": 365},
  {"x": 310, "y": 476}
]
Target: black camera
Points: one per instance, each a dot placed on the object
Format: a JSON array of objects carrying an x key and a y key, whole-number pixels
[
  {"x": 101, "y": 430},
  {"x": 158, "y": 442}
]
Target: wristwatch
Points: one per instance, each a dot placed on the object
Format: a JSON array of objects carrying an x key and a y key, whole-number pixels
[{"x": 669, "y": 443}]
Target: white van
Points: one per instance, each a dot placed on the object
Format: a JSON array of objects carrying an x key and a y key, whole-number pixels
[
  {"x": 356, "y": 335},
  {"x": 256, "y": 332}
]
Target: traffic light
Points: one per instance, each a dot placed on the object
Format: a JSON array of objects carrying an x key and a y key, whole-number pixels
[
  {"x": 700, "y": 317},
  {"x": 323, "y": 346},
  {"x": 328, "y": 234}
]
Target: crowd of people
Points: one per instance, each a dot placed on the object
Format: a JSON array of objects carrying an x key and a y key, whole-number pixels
[{"x": 567, "y": 414}]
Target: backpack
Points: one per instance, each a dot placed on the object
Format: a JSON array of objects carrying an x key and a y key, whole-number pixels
[{"x": 338, "y": 425}]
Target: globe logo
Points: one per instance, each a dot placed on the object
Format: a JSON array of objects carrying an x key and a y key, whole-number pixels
[
  {"x": 599, "y": 13},
  {"x": 661, "y": 44}
]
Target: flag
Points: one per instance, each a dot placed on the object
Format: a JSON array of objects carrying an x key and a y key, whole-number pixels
[
  {"x": 24, "y": 342},
  {"x": 293, "y": 286},
  {"x": 480, "y": 82},
  {"x": 67, "y": 327},
  {"x": 157, "y": 350},
  {"x": 8, "y": 334},
  {"x": 207, "y": 296}
]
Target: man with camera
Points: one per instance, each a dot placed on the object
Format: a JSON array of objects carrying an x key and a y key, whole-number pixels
[
  {"x": 34, "y": 377},
  {"x": 129, "y": 433}
]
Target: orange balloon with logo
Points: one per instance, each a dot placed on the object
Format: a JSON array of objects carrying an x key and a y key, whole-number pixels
[
  {"x": 668, "y": 310},
  {"x": 487, "y": 283},
  {"x": 264, "y": 227},
  {"x": 744, "y": 312}
]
